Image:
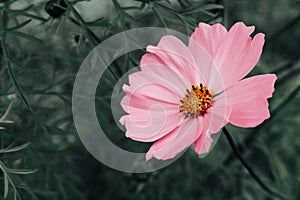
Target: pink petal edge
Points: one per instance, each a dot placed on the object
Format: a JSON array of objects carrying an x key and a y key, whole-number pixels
[
  {"x": 176, "y": 141},
  {"x": 248, "y": 100},
  {"x": 234, "y": 52}
]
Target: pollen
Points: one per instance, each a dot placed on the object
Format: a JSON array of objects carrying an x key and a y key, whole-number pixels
[{"x": 197, "y": 101}]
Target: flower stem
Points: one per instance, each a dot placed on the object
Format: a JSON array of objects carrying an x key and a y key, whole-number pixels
[{"x": 248, "y": 167}]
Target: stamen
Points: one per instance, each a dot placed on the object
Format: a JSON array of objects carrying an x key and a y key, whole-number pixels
[{"x": 197, "y": 101}]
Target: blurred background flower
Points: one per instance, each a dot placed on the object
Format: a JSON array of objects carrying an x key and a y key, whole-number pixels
[{"x": 42, "y": 46}]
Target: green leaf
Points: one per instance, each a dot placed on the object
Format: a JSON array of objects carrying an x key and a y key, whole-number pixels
[
  {"x": 81, "y": 40},
  {"x": 15, "y": 149},
  {"x": 18, "y": 26},
  {"x": 175, "y": 12},
  {"x": 3, "y": 68},
  {"x": 26, "y": 36},
  {"x": 2, "y": 167},
  {"x": 160, "y": 18},
  {"x": 3, "y": 117},
  {"x": 27, "y": 8},
  {"x": 122, "y": 14},
  {"x": 17, "y": 87},
  {"x": 131, "y": 8},
  {"x": 98, "y": 22},
  {"x": 22, "y": 13},
  {"x": 166, "y": 7},
  {"x": 33, "y": 16},
  {"x": 90, "y": 35},
  {"x": 21, "y": 171},
  {"x": 5, "y": 185},
  {"x": 204, "y": 9},
  {"x": 14, "y": 187},
  {"x": 20, "y": 66},
  {"x": 62, "y": 21},
  {"x": 66, "y": 100}
]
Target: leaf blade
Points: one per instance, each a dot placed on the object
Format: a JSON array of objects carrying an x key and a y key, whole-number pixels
[
  {"x": 26, "y": 36},
  {"x": 15, "y": 149}
]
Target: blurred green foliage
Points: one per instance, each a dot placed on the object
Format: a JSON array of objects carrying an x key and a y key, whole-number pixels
[{"x": 42, "y": 46}]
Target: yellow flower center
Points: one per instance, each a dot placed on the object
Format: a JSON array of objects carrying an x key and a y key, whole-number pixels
[{"x": 197, "y": 101}]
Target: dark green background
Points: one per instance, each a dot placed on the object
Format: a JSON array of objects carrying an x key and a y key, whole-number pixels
[{"x": 39, "y": 61}]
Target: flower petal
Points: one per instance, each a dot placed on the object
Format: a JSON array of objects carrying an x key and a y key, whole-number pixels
[
  {"x": 204, "y": 141},
  {"x": 209, "y": 37},
  {"x": 176, "y": 141},
  {"x": 213, "y": 121},
  {"x": 233, "y": 52},
  {"x": 210, "y": 74},
  {"x": 153, "y": 112},
  {"x": 248, "y": 100},
  {"x": 155, "y": 70},
  {"x": 218, "y": 115},
  {"x": 250, "y": 60},
  {"x": 176, "y": 55}
]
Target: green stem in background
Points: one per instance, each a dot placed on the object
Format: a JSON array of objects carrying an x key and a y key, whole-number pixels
[
  {"x": 248, "y": 167},
  {"x": 88, "y": 33},
  {"x": 254, "y": 134}
]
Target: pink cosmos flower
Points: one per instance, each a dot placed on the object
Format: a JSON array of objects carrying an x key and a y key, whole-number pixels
[{"x": 184, "y": 94}]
